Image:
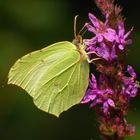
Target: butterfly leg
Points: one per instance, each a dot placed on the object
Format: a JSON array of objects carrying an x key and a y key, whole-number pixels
[{"x": 92, "y": 60}]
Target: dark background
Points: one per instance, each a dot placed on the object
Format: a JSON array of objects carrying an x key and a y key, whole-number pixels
[{"x": 28, "y": 25}]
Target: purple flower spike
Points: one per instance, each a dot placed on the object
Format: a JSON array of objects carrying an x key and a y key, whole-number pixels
[{"x": 110, "y": 92}]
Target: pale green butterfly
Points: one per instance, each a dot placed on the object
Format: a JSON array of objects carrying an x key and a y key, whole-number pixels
[{"x": 56, "y": 76}]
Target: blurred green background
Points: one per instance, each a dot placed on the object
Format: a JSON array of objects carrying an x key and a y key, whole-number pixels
[{"x": 28, "y": 25}]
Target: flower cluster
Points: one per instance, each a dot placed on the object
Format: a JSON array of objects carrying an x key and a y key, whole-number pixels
[
  {"x": 107, "y": 42},
  {"x": 112, "y": 90}
]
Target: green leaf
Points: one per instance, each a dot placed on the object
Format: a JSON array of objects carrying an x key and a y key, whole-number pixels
[{"x": 56, "y": 76}]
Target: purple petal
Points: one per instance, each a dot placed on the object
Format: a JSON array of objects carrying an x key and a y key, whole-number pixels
[
  {"x": 123, "y": 90},
  {"x": 91, "y": 41},
  {"x": 121, "y": 47},
  {"x": 103, "y": 92},
  {"x": 128, "y": 33},
  {"x": 111, "y": 102},
  {"x": 89, "y": 96},
  {"x": 111, "y": 31},
  {"x": 92, "y": 97},
  {"x": 134, "y": 91},
  {"x": 100, "y": 92},
  {"x": 106, "y": 21},
  {"x": 99, "y": 38},
  {"x": 98, "y": 101},
  {"x": 90, "y": 28},
  {"x": 121, "y": 29},
  {"x": 94, "y": 20},
  {"x": 110, "y": 35},
  {"x": 127, "y": 81},
  {"x": 131, "y": 71},
  {"x": 93, "y": 82},
  {"x": 103, "y": 52},
  {"x": 127, "y": 91},
  {"x": 118, "y": 40},
  {"x": 108, "y": 91},
  {"x": 85, "y": 100},
  {"x": 105, "y": 107},
  {"x": 113, "y": 53},
  {"x": 91, "y": 93}
]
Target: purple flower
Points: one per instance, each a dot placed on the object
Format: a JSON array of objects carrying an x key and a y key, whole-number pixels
[
  {"x": 121, "y": 37},
  {"x": 100, "y": 30},
  {"x": 98, "y": 96},
  {"x": 130, "y": 88}
]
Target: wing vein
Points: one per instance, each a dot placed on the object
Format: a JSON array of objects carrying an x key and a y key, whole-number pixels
[{"x": 66, "y": 85}]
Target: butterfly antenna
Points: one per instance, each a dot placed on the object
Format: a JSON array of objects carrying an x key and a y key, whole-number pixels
[
  {"x": 75, "y": 29},
  {"x": 82, "y": 30}
]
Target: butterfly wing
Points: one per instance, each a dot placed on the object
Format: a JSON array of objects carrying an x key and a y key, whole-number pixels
[{"x": 54, "y": 76}]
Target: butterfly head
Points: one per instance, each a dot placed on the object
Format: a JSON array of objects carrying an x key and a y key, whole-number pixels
[{"x": 77, "y": 41}]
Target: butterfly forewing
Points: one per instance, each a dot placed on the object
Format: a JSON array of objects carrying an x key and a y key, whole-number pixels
[{"x": 54, "y": 76}]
